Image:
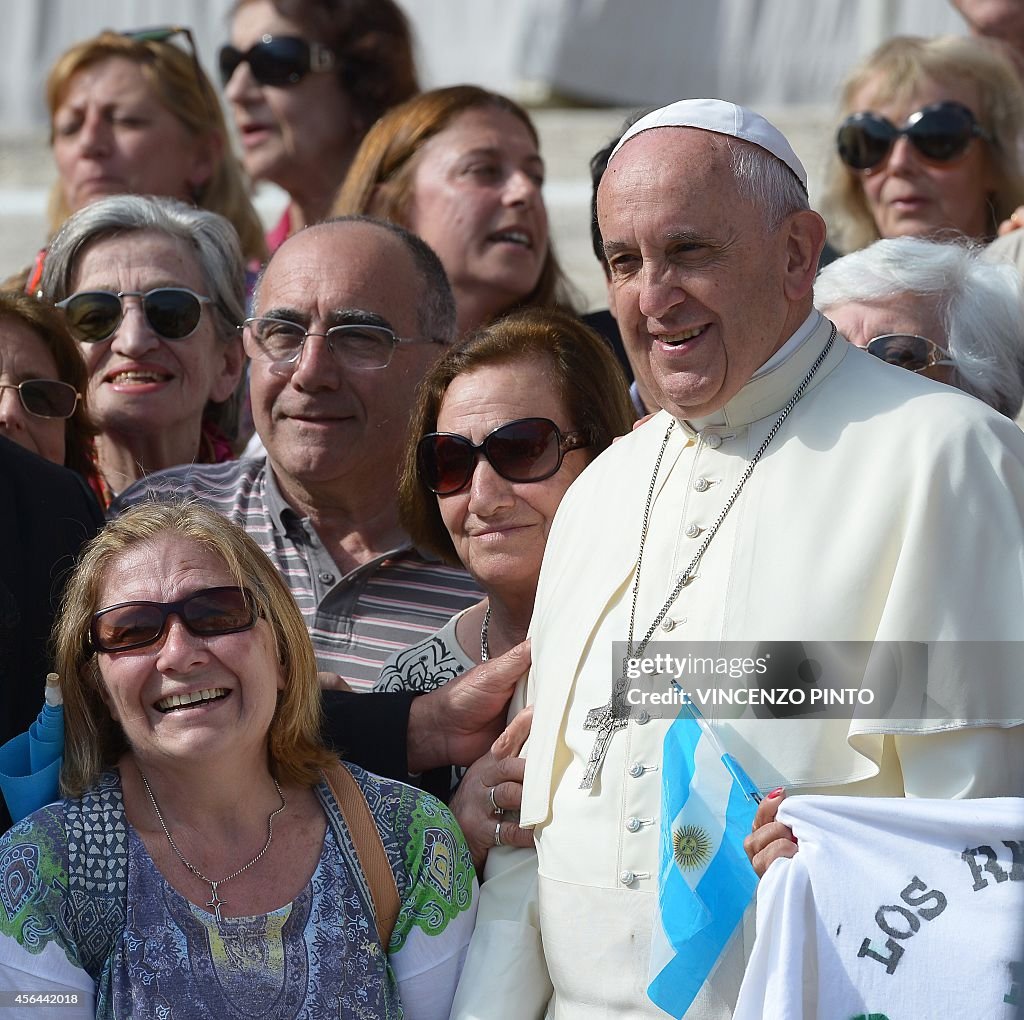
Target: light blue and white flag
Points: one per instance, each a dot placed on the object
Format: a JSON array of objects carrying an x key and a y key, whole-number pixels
[{"x": 705, "y": 881}]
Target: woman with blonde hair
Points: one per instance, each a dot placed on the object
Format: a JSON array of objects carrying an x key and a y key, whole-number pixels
[
  {"x": 210, "y": 857},
  {"x": 930, "y": 143},
  {"x": 134, "y": 113},
  {"x": 461, "y": 168}
]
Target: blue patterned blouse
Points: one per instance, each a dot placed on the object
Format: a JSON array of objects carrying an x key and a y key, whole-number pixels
[{"x": 152, "y": 953}]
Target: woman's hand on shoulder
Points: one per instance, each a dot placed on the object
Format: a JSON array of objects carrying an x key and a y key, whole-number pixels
[{"x": 769, "y": 839}]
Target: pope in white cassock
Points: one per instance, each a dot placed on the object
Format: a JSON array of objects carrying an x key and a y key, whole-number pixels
[{"x": 884, "y": 507}]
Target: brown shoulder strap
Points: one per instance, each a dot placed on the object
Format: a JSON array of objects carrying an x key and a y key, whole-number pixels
[{"x": 369, "y": 849}]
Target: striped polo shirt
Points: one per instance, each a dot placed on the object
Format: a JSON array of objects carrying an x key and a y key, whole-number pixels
[{"x": 357, "y": 620}]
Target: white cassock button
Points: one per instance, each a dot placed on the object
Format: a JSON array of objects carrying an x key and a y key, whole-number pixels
[
  {"x": 636, "y": 770},
  {"x": 633, "y": 824},
  {"x": 627, "y": 877},
  {"x": 668, "y": 623},
  {"x": 713, "y": 439},
  {"x": 692, "y": 530},
  {"x": 702, "y": 485},
  {"x": 643, "y": 717}
]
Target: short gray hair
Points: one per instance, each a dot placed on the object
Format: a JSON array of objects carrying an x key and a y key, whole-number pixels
[
  {"x": 980, "y": 303},
  {"x": 435, "y": 315},
  {"x": 765, "y": 181},
  {"x": 210, "y": 236}
]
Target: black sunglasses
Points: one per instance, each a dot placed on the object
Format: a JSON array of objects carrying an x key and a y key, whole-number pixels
[
  {"x": 46, "y": 398},
  {"x": 907, "y": 350},
  {"x": 526, "y": 450},
  {"x": 205, "y": 613},
  {"x": 173, "y": 313},
  {"x": 940, "y": 133},
  {"x": 164, "y": 34},
  {"x": 278, "y": 60}
]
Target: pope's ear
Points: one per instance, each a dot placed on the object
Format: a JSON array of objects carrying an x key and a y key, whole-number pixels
[{"x": 805, "y": 237}]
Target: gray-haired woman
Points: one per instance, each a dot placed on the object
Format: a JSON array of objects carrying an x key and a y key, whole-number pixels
[
  {"x": 152, "y": 290},
  {"x": 940, "y": 309}
]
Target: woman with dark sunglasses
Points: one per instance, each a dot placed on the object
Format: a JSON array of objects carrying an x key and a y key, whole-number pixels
[
  {"x": 938, "y": 309},
  {"x": 929, "y": 144},
  {"x": 153, "y": 291},
  {"x": 134, "y": 113},
  {"x": 305, "y": 81},
  {"x": 210, "y": 857},
  {"x": 43, "y": 380},
  {"x": 503, "y": 425}
]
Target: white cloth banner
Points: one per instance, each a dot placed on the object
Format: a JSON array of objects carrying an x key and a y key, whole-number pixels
[{"x": 892, "y": 910}]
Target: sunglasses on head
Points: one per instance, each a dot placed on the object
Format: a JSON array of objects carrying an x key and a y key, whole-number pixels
[
  {"x": 46, "y": 398},
  {"x": 278, "y": 60},
  {"x": 164, "y": 34},
  {"x": 173, "y": 313},
  {"x": 940, "y": 133},
  {"x": 909, "y": 351},
  {"x": 205, "y": 613},
  {"x": 526, "y": 450}
]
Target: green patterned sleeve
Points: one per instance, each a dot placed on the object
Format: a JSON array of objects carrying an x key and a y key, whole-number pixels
[
  {"x": 37, "y": 949},
  {"x": 438, "y": 909}
]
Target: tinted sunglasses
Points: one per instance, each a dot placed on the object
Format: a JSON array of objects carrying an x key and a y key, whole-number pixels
[
  {"x": 46, "y": 398},
  {"x": 173, "y": 313},
  {"x": 527, "y": 450},
  {"x": 279, "y": 60},
  {"x": 940, "y": 133},
  {"x": 164, "y": 34},
  {"x": 205, "y": 613},
  {"x": 909, "y": 351}
]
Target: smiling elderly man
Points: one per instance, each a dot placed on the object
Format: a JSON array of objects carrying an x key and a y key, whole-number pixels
[
  {"x": 793, "y": 489},
  {"x": 350, "y": 314}
]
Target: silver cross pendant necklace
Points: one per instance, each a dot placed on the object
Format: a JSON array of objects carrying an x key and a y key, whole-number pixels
[{"x": 609, "y": 718}]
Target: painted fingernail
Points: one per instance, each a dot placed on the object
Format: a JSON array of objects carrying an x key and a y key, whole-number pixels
[
  {"x": 796, "y": 842},
  {"x": 777, "y": 792}
]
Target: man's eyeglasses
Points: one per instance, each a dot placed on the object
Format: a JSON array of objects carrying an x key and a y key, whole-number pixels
[
  {"x": 940, "y": 133},
  {"x": 46, "y": 398},
  {"x": 526, "y": 450},
  {"x": 355, "y": 345},
  {"x": 206, "y": 613},
  {"x": 173, "y": 313},
  {"x": 916, "y": 353},
  {"x": 278, "y": 60}
]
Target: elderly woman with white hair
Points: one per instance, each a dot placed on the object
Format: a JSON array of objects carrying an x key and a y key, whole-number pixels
[
  {"x": 153, "y": 291},
  {"x": 940, "y": 309}
]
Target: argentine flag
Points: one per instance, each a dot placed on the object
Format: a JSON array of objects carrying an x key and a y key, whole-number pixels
[{"x": 705, "y": 881}]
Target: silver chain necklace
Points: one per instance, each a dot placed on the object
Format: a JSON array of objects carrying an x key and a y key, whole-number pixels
[
  {"x": 215, "y": 901},
  {"x": 485, "y": 645},
  {"x": 614, "y": 715}
]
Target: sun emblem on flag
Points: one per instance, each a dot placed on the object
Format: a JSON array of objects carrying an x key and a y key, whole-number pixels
[{"x": 691, "y": 847}]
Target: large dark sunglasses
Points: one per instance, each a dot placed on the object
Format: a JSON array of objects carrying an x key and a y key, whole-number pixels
[
  {"x": 279, "y": 60},
  {"x": 205, "y": 613},
  {"x": 909, "y": 351},
  {"x": 46, "y": 398},
  {"x": 527, "y": 450},
  {"x": 173, "y": 313},
  {"x": 940, "y": 133}
]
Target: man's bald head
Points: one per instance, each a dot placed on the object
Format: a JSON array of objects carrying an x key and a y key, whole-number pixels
[{"x": 436, "y": 312}]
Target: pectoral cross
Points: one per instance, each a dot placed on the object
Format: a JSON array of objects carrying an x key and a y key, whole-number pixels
[
  {"x": 215, "y": 901},
  {"x": 606, "y": 719}
]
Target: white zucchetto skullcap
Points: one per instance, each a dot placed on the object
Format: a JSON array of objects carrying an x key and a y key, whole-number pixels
[{"x": 725, "y": 119}]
